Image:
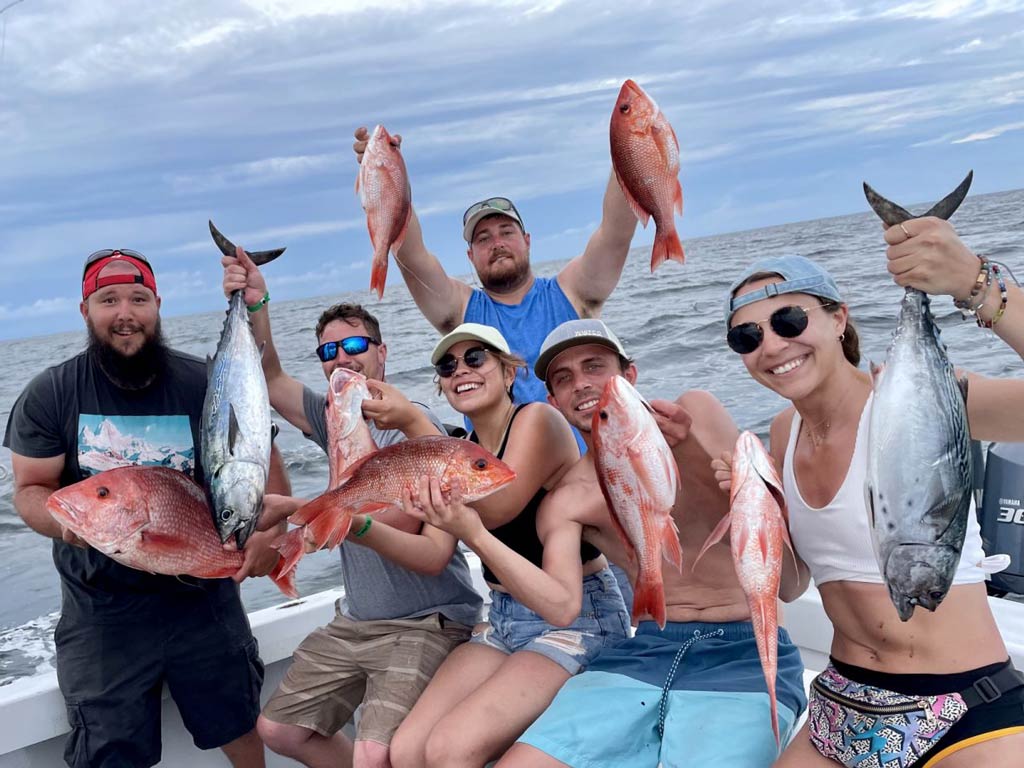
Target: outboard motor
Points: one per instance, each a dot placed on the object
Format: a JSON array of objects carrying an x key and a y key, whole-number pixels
[{"x": 1002, "y": 514}]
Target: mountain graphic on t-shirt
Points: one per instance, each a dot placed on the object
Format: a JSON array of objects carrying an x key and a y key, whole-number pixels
[{"x": 105, "y": 446}]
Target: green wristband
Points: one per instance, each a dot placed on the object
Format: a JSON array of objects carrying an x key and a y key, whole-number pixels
[
  {"x": 259, "y": 304},
  {"x": 362, "y": 531}
]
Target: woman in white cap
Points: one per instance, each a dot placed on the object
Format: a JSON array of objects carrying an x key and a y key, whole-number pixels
[
  {"x": 489, "y": 690},
  {"x": 938, "y": 687}
]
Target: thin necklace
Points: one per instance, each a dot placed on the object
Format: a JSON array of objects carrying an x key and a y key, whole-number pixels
[{"x": 818, "y": 433}]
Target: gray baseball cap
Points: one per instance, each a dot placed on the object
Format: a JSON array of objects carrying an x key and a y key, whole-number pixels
[{"x": 570, "y": 334}]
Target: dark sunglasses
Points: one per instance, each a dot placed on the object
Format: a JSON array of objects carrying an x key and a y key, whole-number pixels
[
  {"x": 97, "y": 255},
  {"x": 353, "y": 345},
  {"x": 787, "y": 322},
  {"x": 474, "y": 357},
  {"x": 500, "y": 204}
]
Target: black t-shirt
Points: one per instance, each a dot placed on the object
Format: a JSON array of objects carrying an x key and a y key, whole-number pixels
[{"x": 73, "y": 410}]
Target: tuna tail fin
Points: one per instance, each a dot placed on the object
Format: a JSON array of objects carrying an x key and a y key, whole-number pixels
[
  {"x": 259, "y": 258},
  {"x": 649, "y": 599},
  {"x": 666, "y": 246},
  {"x": 291, "y": 549},
  {"x": 285, "y": 581},
  {"x": 715, "y": 536},
  {"x": 893, "y": 214}
]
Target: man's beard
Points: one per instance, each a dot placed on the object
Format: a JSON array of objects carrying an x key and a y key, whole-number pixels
[
  {"x": 135, "y": 371},
  {"x": 507, "y": 279}
]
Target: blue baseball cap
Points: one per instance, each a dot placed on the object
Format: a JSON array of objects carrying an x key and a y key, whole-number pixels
[{"x": 799, "y": 275}]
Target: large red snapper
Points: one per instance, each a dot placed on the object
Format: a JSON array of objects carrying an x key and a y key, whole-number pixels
[
  {"x": 384, "y": 191},
  {"x": 757, "y": 531},
  {"x": 645, "y": 157},
  {"x": 639, "y": 479},
  {"x": 154, "y": 519},
  {"x": 348, "y": 434},
  {"x": 378, "y": 481}
]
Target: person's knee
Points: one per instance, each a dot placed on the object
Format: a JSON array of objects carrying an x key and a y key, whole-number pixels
[
  {"x": 280, "y": 738},
  {"x": 406, "y": 750},
  {"x": 447, "y": 745},
  {"x": 371, "y": 754}
]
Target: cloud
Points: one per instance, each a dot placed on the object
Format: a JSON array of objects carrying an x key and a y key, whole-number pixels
[
  {"x": 39, "y": 308},
  {"x": 991, "y": 133}
]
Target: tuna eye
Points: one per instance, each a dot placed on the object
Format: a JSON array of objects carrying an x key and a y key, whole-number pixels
[
  {"x": 102, "y": 492},
  {"x": 226, "y": 514},
  {"x": 936, "y": 596},
  {"x": 624, "y": 109},
  {"x": 480, "y": 463}
]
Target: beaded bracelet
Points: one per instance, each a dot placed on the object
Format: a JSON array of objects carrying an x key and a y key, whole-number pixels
[
  {"x": 259, "y": 304},
  {"x": 966, "y": 306},
  {"x": 1003, "y": 296}
]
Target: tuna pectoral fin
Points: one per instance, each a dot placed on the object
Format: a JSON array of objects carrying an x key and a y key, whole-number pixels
[
  {"x": 232, "y": 429},
  {"x": 666, "y": 246},
  {"x": 285, "y": 581},
  {"x": 715, "y": 537},
  {"x": 649, "y": 598},
  {"x": 671, "y": 550}
]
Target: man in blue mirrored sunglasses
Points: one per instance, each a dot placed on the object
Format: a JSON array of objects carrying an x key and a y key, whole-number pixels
[
  {"x": 396, "y": 624},
  {"x": 511, "y": 298}
]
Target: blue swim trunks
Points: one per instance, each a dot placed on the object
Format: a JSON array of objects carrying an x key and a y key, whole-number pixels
[{"x": 714, "y": 712}]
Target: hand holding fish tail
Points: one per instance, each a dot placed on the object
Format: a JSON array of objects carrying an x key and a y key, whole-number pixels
[
  {"x": 722, "y": 467},
  {"x": 241, "y": 274},
  {"x": 362, "y": 135},
  {"x": 932, "y": 259}
]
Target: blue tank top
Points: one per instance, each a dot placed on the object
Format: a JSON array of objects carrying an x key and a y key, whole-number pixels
[{"x": 524, "y": 327}]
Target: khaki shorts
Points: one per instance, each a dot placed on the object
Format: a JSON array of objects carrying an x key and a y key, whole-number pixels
[{"x": 383, "y": 665}]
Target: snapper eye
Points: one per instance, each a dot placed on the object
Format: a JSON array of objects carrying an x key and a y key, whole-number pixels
[
  {"x": 604, "y": 415},
  {"x": 480, "y": 463},
  {"x": 103, "y": 492},
  {"x": 624, "y": 109}
]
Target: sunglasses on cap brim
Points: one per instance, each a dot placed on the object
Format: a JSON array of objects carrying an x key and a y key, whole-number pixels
[
  {"x": 107, "y": 252},
  {"x": 474, "y": 357},
  {"x": 497, "y": 204},
  {"x": 353, "y": 345},
  {"x": 787, "y": 322}
]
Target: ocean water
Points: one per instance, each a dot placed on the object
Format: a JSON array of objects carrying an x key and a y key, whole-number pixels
[{"x": 671, "y": 322}]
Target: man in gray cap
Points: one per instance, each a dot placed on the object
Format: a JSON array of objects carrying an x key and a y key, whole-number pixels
[{"x": 639, "y": 703}]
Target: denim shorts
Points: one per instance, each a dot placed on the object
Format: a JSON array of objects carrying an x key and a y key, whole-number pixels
[{"x": 603, "y": 620}]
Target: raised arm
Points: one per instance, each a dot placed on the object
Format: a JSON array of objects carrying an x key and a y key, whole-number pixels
[
  {"x": 285, "y": 392},
  {"x": 441, "y": 299},
  {"x": 589, "y": 279}
]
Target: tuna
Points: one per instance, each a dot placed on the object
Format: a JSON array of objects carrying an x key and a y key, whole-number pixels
[
  {"x": 757, "y": 531},
  {"x": 235, "y": 428},
  {"x": 639, "y": 479},
  {"x": 155, "y": 519},
  {"x": 919, "y": 450}
]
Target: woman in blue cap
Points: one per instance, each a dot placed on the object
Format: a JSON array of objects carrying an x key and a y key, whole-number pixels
[{"x": 786, "y": 318}]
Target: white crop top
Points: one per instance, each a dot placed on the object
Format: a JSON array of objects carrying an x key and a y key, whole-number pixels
[{"x": 835, "y": 540}]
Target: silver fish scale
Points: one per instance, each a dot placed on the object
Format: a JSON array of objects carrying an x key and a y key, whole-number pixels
[
  {"x": 236, "y": 475},
  {"x": 919, "y": 465}
]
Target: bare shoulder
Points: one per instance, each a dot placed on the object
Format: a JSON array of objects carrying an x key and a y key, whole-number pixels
[{"x": 712, "y": 427}]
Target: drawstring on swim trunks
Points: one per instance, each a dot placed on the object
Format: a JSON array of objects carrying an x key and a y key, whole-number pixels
[{"x": 663, "y": 704}]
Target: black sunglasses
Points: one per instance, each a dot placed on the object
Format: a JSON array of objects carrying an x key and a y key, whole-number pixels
[
  {"x": 474, "y": 357},
  {"x": 499, "y": 204},
  {"x": 353, "y": 345},
  {"x": 102, "y": 254},
  {"x": 787, "y": 322}
]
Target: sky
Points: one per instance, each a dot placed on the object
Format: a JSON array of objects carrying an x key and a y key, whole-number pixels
[{"x": 128, "y": 124}]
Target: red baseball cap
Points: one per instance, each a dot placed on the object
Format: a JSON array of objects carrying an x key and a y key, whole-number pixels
[{"x": 94, "y": 264}]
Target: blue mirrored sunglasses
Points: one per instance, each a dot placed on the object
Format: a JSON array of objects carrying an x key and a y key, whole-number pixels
[{"x": 353, "y": 345}]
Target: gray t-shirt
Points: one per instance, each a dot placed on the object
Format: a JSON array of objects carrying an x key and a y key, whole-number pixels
[{"x": 375, "y": 587}]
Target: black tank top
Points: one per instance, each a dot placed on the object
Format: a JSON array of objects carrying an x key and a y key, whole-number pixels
[{"x": 520, "y": 533}]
